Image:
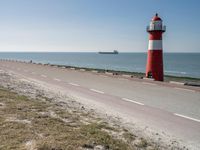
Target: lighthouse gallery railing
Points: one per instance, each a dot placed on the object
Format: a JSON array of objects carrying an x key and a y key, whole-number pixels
[{"x": 156, "y": 28}]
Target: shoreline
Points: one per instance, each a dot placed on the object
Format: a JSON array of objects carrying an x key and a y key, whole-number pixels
[{"x": 184, "y": 80}]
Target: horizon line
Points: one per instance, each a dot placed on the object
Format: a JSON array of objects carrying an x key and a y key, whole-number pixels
[{"x": 84, "y": 52}]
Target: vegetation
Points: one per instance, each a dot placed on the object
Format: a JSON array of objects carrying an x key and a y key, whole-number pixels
[{"x": 40, "y": 124}]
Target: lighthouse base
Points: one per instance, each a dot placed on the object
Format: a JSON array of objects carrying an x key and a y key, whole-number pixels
[{"x": 154, "y": 67}]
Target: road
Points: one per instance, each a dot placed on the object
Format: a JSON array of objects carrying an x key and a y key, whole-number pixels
[{"x": 173, "y": 109}]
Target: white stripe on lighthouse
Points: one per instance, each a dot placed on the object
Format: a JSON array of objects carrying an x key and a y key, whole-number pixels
[{"x": 155, "y": 45}]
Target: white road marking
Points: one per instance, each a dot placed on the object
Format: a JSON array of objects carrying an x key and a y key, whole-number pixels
[
  {"x": 174, "y": 82},
  {"x": 43, "y": 76},
  {"x": 184, "y": 89},
  {"x": 132, "y": 101},
  {"x": 97, "y": 91},
  {"x": 57, "y": 79},
  {"x": 104, "y": 76},
  {"x": 74, "y": 84},
  {"x": 94, "y": 71},
  {"x": 123, "y": 79},
  {"x": 147, "y": 83},
  {"x": 187, "y": 117},
  {"x": 33, "y": 72},
  {"x": 125, "y": 75}
]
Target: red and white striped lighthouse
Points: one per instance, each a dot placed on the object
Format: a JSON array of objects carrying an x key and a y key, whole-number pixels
[{"x": 154, "y": 67}]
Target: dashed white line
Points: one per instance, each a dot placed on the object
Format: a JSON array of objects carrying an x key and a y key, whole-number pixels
[
  {"x": 187, "y": 117},
  {"x": 123, "y": 79},
  {"x": 97, "y": 91},
  {"x": 147, "y": 83},
  {"x": 104, "y": 76},
  {"x": 184, "y": 89},
  {"x": 175, "y": 82},
  {"x": 57, "y": 79},
  {"x": 132, "y": 101},
  {"x": 43, "y": 76},
  {"x": 74, "y": 84},
  {"x": 32, "y": 72}
]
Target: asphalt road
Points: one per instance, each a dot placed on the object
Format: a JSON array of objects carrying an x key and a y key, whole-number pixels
[{"x": 173, "y": 109}]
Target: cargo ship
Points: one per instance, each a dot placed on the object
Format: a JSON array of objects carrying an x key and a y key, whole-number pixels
[{"x": 113, "y": 52}]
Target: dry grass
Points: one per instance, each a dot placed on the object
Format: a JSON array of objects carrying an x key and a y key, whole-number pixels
[{"x": 35, "y": 124}]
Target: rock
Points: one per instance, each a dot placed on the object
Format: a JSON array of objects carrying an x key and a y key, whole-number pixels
[
  {"x": 140, "y": 143},
  {"x": 88, "y": 146},
  {"x": 150, "y": 148},
  {"x": 99, "y": 147}
]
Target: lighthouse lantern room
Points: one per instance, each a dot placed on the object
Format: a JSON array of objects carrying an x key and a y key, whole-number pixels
[{"x": 154, "y": 67}]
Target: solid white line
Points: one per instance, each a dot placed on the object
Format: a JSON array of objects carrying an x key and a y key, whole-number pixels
[
  {"x": 132, "y": 101},
  {"x": 97, "y": 91},
  {"x": 43, "y": 76},
  {"x": 57, "y": 79},
  {"x": 147, "y": 83},
  {"x": 74, "y": 84},
  {"x": 187, "y": 117},
  {"x": 184, "y": 89}
]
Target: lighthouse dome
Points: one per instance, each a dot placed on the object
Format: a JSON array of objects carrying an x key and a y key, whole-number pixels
[{"x": 156, "y": 18}]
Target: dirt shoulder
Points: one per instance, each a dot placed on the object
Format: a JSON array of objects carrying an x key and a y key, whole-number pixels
[{"x": 34, "y": 118}]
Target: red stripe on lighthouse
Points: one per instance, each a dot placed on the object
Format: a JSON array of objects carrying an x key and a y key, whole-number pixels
[
  {"x": 155, "y": 64},
  {"x": 156, "y": 35}
]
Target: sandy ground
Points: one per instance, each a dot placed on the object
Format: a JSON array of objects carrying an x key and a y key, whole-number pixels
[{"x": 33, "y": 89}]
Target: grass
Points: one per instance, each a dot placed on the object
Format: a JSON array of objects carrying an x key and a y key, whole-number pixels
[{"x": 32, "y": 123}]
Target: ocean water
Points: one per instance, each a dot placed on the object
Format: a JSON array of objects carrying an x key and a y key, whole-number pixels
[{"x": 178, "y": 64}]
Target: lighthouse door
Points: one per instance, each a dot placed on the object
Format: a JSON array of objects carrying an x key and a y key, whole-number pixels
[{"x": 149, "y": 75}]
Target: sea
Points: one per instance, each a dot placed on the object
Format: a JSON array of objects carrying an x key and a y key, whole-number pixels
[{"x": 177, "y": 64}]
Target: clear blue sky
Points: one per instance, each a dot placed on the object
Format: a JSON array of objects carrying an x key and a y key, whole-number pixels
[{"x": 93, "y": 25}]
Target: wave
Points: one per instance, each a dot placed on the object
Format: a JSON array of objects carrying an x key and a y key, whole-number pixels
[{"x": 175, "y": 72}]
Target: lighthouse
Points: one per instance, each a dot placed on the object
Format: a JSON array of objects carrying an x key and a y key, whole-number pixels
[{"x": 154, "y": 67}]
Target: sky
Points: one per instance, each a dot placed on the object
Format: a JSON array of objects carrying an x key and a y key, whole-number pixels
[{"x": 96, "y": 25}]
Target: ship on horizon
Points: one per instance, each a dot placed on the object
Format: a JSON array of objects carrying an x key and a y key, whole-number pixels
[{"x": 111, "y": 52}]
